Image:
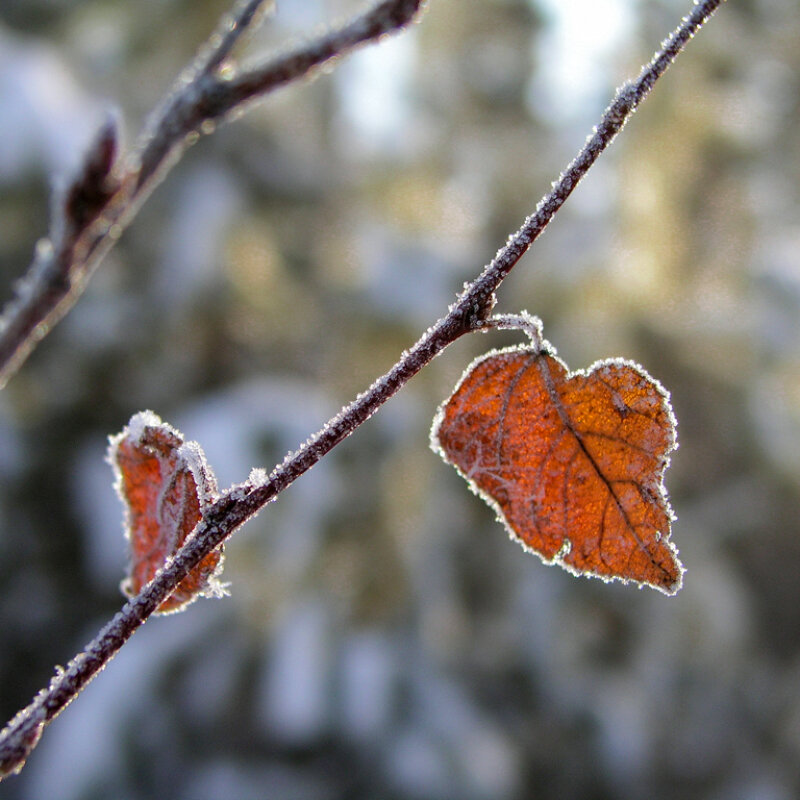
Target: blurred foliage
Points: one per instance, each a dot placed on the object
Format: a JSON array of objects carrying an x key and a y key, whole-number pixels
[{"x": 384, "y": 638}]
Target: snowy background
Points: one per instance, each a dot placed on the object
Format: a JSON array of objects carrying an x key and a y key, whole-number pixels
[{"x": 384, "y": 638}]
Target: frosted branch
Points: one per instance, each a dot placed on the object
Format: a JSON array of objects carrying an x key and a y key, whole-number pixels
[
  {"x": 85, "y": 228},
  {"x": 470, "y": 312}
]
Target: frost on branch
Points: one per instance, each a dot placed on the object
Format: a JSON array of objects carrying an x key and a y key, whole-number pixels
[
  {"x": 164, "y": 484},
  {"x": 20, "y": 737}
]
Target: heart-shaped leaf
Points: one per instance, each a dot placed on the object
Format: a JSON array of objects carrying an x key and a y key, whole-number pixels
[{"x": 573, "y": 463}]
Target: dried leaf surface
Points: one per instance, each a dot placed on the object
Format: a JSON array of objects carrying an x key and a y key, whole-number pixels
[
  {"x": 163, "y": 483},
  {"x": 572, "y": 462}
]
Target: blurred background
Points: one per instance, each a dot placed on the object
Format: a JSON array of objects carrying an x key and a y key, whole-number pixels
[{"x": 384, "y": 638}]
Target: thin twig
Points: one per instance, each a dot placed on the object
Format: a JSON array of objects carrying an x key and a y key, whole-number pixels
[
  {"x": 242, "y": 502},
  {"x": 62, "y": 267},
  {"x": 231, "y": 29}
]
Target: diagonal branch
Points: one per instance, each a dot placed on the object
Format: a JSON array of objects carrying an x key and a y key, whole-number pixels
[
  {"x": 65, "y": 261},
  {"x": 242, "y": 502}
]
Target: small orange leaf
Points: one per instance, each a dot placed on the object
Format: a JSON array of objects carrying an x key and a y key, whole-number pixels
[
  {"x": 573, "y": 463},
  {"x": 164, "y": 484}
]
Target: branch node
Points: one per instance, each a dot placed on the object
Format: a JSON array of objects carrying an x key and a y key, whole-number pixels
[{"x": 479, "y": 310}]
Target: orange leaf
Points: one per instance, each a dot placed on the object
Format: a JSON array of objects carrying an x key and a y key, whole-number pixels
[
  {"x": 573, "y": 463},
  {"x": 164, "y": 484}
]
